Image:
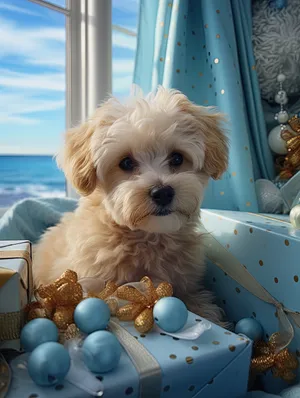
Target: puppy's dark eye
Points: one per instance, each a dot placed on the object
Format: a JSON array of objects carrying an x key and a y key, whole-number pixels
[
  {"x": 127, "y": 164},
  {"x": 176, "y": 159}
]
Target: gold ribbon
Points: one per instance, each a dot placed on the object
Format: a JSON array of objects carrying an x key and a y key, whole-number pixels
[
  {"x": 140, "y": 307},
  {"x": 6, "y": 273},
  {"x": 11, "y": 323},
  {"x": 282, "y": 364},
  {"x": 238, "y": 272},
  {"x": 57, "y": 300}
]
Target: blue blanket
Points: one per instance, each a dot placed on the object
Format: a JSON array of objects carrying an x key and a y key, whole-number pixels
[{"x": 29, "y": 218}]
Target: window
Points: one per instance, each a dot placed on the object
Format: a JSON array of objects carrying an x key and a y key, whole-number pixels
[
  {"x": 32, "y": 100},
  {"x": 41, "y": 93},
  {"x": 124, "y": 32}
]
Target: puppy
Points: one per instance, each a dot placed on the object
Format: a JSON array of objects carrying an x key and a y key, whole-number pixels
[{"x": 142, "y": 169}]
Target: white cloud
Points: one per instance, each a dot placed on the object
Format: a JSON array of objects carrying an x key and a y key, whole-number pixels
[
  {"x": 17, "y": 108},
  {"x": 14, "y": 8},
  {"x": 122, "y": 66},
  {"x": 22, "y": 103},
  {"x": 40, "y": 46},
  {"x": 58, "y": 34},
  {"x": 42, "y": 81},
  {"x": 123, "y": 41},
  {"x": 18, "y": 120}
]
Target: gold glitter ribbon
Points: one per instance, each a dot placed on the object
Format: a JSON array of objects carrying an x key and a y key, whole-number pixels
[
  {"x": 11, "y": 323},
  {"x": 141, "y": 302},
  {"x": 57, "y": 300},
  {"x": 282, "y": 364},
  {"x": 292, "y": 159},
  {"x": 228, "y": 263},
  {"x": 6, "y": 273}
]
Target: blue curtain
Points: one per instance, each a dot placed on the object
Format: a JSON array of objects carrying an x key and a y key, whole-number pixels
[{"x": 204, "y": 49}]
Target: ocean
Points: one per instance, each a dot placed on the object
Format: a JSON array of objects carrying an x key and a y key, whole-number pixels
[{"x": 29, "y": 176}]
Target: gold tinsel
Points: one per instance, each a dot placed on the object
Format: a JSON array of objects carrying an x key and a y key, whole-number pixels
[
  {"x": 57, "y": 300},
  {"x": 265, "y": 357},
  {"x": 291, "y": 162},
  {"x": 140, "y": 307}
]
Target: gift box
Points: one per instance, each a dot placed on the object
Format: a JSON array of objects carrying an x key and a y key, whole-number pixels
[
  {"x": 15, "y": 290},
  {"x": 268, "y": 248},
  {"x": 214, "y": 365}
]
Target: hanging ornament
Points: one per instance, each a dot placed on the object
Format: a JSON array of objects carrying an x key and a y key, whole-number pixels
[
  {"x": 276, "y": 142},
  {"x": 281, "y": 97},
  {"x": 282, "y": 116}
]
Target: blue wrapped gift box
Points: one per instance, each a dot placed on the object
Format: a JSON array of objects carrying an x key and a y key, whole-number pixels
[
  {"x": 215, "y": 365},
  {"x": 269, "y": 247}
]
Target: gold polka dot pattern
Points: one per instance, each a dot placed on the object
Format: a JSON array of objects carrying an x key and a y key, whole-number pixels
[{"x": 189, "y": 360}]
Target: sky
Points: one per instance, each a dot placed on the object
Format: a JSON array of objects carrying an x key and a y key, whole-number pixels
[{"x": 32, "y": 72}]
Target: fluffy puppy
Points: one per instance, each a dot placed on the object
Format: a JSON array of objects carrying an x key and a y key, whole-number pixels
[{"x": 142, "y": 169}]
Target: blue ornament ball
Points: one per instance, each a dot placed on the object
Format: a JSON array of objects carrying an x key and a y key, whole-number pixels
[
  {"x": 48, "y": 364},
  {"x": 170, "y": 314},
  {"x": 249, "y": 327},
  {"x": 38, "y": 331},
  {"x": 101, "y": 351},
  {"x": 91, "y": 314}
]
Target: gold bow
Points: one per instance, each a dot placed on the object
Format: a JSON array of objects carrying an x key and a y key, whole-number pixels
[
  {"x": 265, "y": 357},
  {"x": 140, "y": 308},
  {"x": 57, "y": 300},
  {"x": 291, "y": 163}
]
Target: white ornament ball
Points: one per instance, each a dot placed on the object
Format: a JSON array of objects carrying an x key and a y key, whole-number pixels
[
  {"x": 276, "y": 143},
  {"x": 281, "y": 78},
  {"x": 281, "y": 97},
  {"x": 295, "y": 216},
  {"x": 282, "y": 116}
]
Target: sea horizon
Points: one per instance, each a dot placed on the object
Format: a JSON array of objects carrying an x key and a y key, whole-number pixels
[{"x": 29, "y": 176}]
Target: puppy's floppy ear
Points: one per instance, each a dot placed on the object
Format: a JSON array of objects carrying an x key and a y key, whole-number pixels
[
  {"x": 216, "y": 142},
  {"x": 76, "y": 159}
]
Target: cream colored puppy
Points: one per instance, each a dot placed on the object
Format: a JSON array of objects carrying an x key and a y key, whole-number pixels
[{"x": 142, "y": 169}]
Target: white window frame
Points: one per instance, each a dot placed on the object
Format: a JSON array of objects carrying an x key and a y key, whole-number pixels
[{"x": 88, "y": 58}]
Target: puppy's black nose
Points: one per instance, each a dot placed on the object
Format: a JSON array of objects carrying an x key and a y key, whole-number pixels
[{"x": 162, "y": 196}]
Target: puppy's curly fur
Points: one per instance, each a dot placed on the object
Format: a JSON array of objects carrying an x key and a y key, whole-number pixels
[{"x": 121, "y": 231}]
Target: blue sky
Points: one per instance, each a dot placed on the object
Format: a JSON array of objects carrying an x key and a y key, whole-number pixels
[{"x": 32, "y": 72}]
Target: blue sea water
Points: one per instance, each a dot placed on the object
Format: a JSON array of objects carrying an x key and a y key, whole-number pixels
[{"x": 29, "y": 176}]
